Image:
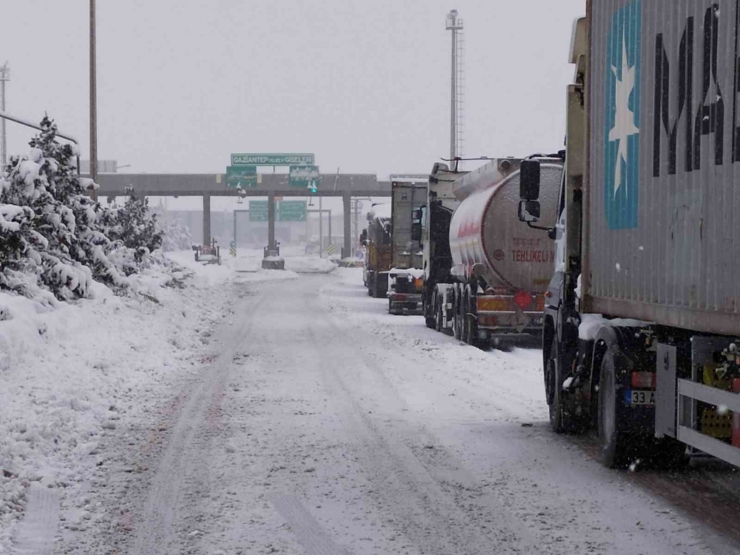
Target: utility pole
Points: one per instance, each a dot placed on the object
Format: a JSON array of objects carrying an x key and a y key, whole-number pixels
[
  {"x": 93, "y": 103},
  {"x": 4, "y": 78},
  {"x": 455, "y": 24}
]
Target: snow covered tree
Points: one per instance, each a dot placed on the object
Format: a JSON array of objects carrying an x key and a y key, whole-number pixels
[
  {"x": 52, "y": 233},
  {"x": 136, "y": 226},
  {"x": 175, "y": 234}
]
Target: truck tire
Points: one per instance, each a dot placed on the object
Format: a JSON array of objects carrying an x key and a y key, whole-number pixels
[
  {"x": 614, "y": 440},
  {"x": 562, "y": 417},
  {"x": 466, "y": 337},
  {"x": 470, "y": 334},
  {"x": 427, "y": 308},
  {"x": 554, "y": 390},
  {"x": 438, "y": 324},
  {"x": 457, "y": 314}
]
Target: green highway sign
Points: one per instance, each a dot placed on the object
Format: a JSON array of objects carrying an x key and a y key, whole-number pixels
[
  {"x": 244, "y": 176},
  {"x": 304, "y": 177},
  {"x": 285, "y": 211},
  {"x": 258, "y": 211},
  {"x": 255, "y": 159},
  {"x": 292, "y": 211}
]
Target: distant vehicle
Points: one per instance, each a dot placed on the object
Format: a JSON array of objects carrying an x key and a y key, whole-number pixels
[
  {"x": 208, "y": 254},
  {"x": 405, "y": 276},
  {"x": 485, "y": 273},
  {"x": 379, "y": 251},
  {"x": 642, "y": 320}
]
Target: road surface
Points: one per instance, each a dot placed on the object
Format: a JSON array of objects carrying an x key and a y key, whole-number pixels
[{"x": 322, "y": 426}]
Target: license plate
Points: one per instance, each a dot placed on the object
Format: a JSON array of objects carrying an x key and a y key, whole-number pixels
[{"x": 642, "y": 398}]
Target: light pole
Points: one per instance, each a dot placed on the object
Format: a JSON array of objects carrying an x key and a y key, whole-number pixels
[
  {"x": 93, "y": 103},
  {"x": 4, "y": 78},
  {"x": 455, "y": 24}
]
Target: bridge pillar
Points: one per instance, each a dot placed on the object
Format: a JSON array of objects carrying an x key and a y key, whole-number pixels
[
  {"x": 271, "y": 222},
  {"x": 206, "y": 220},
  {"x": 347, "y": 250}
]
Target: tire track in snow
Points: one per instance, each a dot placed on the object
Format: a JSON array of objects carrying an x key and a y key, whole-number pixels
[
  {"x": 35, "y": 535},
  {"x": 427, "y": 490},
  {"x": 162, "y": 509},
  {"x": 308, "y": 532}
]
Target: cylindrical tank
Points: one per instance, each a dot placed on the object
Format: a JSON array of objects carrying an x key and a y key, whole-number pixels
[{"x": 486, "y": 236}]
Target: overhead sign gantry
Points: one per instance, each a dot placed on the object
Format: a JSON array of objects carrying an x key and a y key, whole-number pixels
[{"x": 242, "y": 174}]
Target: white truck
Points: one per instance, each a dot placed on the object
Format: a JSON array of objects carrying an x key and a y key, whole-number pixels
[{"x": 485, "y": 273}]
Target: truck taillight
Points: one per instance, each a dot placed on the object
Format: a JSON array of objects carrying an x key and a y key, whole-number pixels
[
  {"x": 540, "y": 303},
  {"x": 494, "y": 304},
  {"x": 419, "y": 283},
  {"x": 643, "y": 380}
]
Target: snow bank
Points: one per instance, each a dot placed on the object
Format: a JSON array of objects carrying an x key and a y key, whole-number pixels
[
  {"x": 592, "y": 323},
  {"x": 309, "y": 265},
  {"x": 70, "y": 373}
]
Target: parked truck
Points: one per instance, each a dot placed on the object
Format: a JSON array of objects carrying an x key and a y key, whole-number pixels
[
  {"x": 378, "y": 250},
  {"x": 485, "y": 273},
  {"x": 405, "y": 276},
  {"x": 642, "y": 320}
]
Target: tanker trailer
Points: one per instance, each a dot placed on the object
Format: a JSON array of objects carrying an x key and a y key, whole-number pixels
[{"x": 500, "y": 266}]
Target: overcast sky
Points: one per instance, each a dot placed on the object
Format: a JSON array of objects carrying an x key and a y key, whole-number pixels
[{"x": 364, "y": 84}]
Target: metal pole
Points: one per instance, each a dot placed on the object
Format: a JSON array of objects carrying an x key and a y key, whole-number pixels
[
  {"x": 93, "y": 102},
  {"x": 271, "y": 222},
  {"x": 206, "y": 220},
  {"x": 234, "y": 227},
  {"x": 321, "y": 229},
  {"x": 356, "y": 238},
  {"x": 330, "y": 241},
  {"x": 453, "y": 98},
  {"x": 347, "y": 201},
  {"x": 4, "y": 72}
]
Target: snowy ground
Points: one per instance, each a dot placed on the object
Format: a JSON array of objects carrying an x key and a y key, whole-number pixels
[{"x": 298, "y": 417}]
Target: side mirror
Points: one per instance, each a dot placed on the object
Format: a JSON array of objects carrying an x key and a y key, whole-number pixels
[
  {"x": 529, "y": 180},
  {"x": 416, "y": 231},
  {"x": 529, "y": 211}
]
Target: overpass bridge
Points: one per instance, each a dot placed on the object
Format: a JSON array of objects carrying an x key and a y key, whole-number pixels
[{"x": 272, "y": 185}]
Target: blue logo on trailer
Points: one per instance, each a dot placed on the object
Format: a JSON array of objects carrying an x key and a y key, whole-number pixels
[{"x": 622, "y": 162}]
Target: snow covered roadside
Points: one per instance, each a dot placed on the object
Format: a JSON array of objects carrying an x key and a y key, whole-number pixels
[{"x": 72, "y": 375}]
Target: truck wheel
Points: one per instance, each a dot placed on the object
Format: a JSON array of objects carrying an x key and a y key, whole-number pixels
[
  {"x": 438, "y": 325},
  {"x": 472, "y": 322},
  {"x": 430, "y": 321},
  {"x": 465, "y": 336},
  {"x": 615, "y": 442},
  {"x": 554, "y": 390},
  {"x": 456, "y": 312},
  {"x": 562, "y": 418},
  {"x": 427, "y": 309}
]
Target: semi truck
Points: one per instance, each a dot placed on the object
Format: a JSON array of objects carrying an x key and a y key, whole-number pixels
[
  {"x": 485, "y": 273},
  {"x": 642, "y": 318},
  {"x": 404, "y": 278},
  {"x": 378, "y": 250}
]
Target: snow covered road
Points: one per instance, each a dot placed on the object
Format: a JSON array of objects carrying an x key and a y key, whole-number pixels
[{"x": 321, "y": 425}]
